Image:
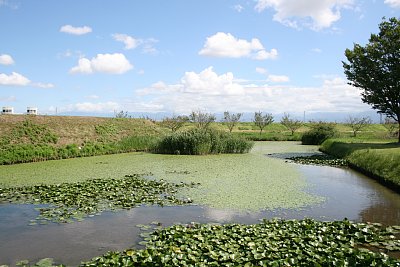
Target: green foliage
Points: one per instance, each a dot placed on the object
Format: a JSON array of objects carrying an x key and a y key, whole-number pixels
[
  {"x": 357, "y": 124},
  {"x": 375, "y": 69},
  {"x": 318, "y": 133},
  {"x": 202, "y": 142},
  {"x": 175, "y": 122},
  {"x": 391, "y": 126},
  {"x": 122, "y": 115},
  {"x": 231, "y": 119},
  {"x": 291, "y": 124},
  {"x": 69, "y": 201},
  {"x": 261, "y": 121},
  {"x": 202, "y": 120},
  {"x": 270, "y": 243}
]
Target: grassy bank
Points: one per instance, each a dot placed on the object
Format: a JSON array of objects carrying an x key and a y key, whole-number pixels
[{"x": 373, "y": 157}]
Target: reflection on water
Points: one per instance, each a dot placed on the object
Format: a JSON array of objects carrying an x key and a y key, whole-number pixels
[{"x": 348, "y": 195}]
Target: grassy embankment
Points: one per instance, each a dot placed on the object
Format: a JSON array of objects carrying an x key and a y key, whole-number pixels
[
  {"x": 37, "y": 138},
  {"x": 376, "y": 158}
]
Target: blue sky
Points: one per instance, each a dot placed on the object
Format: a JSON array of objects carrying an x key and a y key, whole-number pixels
[{"x": 97, "y": 57}]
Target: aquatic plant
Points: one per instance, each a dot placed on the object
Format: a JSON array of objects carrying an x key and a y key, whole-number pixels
[
  {"x": 269, "y": 243},
  {"x": 323, "y": 159},
  {"x": 70, "y": 201},
  {"x": 202, "y": 142}
]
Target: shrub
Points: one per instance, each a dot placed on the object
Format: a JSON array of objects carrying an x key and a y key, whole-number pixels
[
  {"x": 201, "y": 142},
  {"x": 318, "y": 133}
]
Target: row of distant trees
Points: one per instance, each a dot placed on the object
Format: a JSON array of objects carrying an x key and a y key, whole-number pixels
[{"x": 202, "y": 120}]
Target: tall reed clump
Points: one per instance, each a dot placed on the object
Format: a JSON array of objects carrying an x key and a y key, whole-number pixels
[{"x": 202, "y": 142}]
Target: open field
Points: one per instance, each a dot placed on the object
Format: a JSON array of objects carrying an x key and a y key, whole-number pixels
[{"x": 76, "y": 130}]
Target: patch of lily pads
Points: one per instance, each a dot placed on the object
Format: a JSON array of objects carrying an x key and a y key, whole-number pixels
[
  {"x": 67, "y": 202},
  {"x": 320, "y": 159},
  {"x": 270, "y": 243}
]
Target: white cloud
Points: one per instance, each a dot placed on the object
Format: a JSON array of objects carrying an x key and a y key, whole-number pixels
[
  {"x": 226, "y": 45},
  {"x": 75, "y": 30},
  {"x": 316, "y": 50},
  {"x": 263, "y": 55},
  {"x": 314, "y": 14},
  {"x": 43, "y": 85},
  {"x": 238, "y": 8},
  {"x": 93, "y": 97},
  {"x": 101, "y": 107},
  {"x": 14, "y": 79},
  {"x": 148, "y": 46},
  {"x": 210, "y": 83},
  {"x": 6, "y": 59},
  {"x": 105, "y": 63},
  {"x": 278, "y": 78},
  {"x": 393, "y": 3},
  {"x": 219, "y": 92},
  {"x": 261, "y": 70},
  {"x": 129, "y": 41}
]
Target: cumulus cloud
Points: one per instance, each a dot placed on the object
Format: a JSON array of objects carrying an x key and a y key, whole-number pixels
[
  {"x": 129, "y": 41},
  {"x": 14, "y": 79},
  {"x": 6, "y": 59},
  {"x": 220, "y": 92},
  {"x": 226, "y": 45},
  {"x": 75, "y": 30},
  {"x": 393, "y": 3},
  {"x": 210, "y": 83},
  {"x": 104, "y": 63},
  {"x": 315, "y": 14},
  {"x": 278, "y": 78}
]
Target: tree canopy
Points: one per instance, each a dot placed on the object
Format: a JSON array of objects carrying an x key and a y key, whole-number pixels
[{"x": 375, "y": 69}]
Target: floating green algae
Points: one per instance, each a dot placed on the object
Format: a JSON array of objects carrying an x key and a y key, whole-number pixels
[{"x": 238, "y": 182}]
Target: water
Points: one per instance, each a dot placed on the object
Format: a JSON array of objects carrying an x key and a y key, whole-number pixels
[{"x": 348, "y": 195}]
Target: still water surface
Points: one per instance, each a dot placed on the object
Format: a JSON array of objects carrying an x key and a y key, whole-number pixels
[{"x": 348, "y": 194}]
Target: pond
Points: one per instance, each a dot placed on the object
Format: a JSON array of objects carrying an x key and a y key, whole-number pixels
[{"x": 327, "y": 193}]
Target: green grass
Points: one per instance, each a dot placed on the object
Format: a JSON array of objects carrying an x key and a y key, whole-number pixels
[
  {"x": 377, "y": 158},
  {"x": 233, "y": 181}
]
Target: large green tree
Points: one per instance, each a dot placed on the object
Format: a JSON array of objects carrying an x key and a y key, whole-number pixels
[{"x": 375, "y": 69}]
